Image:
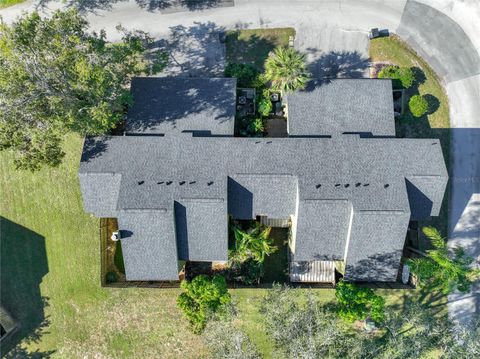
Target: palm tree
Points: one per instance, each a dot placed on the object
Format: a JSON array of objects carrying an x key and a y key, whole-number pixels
[
  {"x": 286, "y": 69},
  {"x": 442, "y": 270},
  {"x": 254, "y": 244}
]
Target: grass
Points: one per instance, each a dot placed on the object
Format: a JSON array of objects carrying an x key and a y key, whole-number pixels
[
  {"x": 50, "y": 276},
  {"x": 434, "y": 125},
  {"x": 50, "y": 279},
  {"x": 50, "y": 256},
  {"x": 252, "y": 46},
  {"x": 7, "y": 3}
]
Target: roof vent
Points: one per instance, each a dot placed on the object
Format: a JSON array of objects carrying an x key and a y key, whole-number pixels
[
  {"x": 386, "y": 185},
  {"x": 169, "y": 183},
  {"x": 182, "y": 183},
  {"x": 318, "y": 186},
  {"x": 269, "y": 141},
  {"x": 140, "y": 182},
  {"x": 210, "y": 183},
  {"x": 192, "y": 182},
  {"x": 257, "y": 142},
  {"x": 357, "y": 184},
  {"x": 347, "y": 185},
  {"x": 366, "y": 184},
  {"x": 337, "y": 185},
  {"x": 162, "y": 182}
]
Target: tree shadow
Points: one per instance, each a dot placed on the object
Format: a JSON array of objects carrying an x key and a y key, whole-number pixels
[
  {"x": 339, "y": 64},
  {"x": 195, "y": 51},
  {"x": 163, "y": 6},
  {"x": 433, "y": 103},
  {"x": 419, "y": 75},
  {"x": 93, "y": 147},
  {"x": 379, "y": 267},
  {"x": 24, "y": 263},
  {"x": 252, "y": 51}
]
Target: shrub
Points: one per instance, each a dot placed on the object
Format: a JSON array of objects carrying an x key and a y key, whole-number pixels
[
  {"x": 264, "y": 107},
  {"x": 246, "y": 75},
  {"x": 111, "y": 277},
  {"x": 256, "y": 127},
  {"x": 357, "y": 303},
  {"x": 401, "y": 76},
  {"x": 201, "y": 298},
  {"x": 418, "y": 105}
]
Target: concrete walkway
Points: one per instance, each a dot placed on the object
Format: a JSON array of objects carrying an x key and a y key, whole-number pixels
[{"x": 444, "y": 32}]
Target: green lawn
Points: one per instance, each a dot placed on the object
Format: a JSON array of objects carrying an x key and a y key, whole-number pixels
[
  {"x": 51, "y": 275},
  {"x": 50, "y": 279},
  {"x": 252, "y": 46},
  {"x": 435, "y": 125},
  {"x": 7, "y": 3}
]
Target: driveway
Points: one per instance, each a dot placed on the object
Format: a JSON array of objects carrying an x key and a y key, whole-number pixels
[{"x": 333, "y": 33}]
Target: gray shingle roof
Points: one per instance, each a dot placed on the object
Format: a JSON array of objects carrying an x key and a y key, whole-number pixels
[
  {"x": 170, "y": 105},
  {"x": 337, "y": 106},
  {"x": 271, "y": 195},
  {"x": 322, "y": 229},
  {"x": 267, "y": 176},
  {"x": 148, "y": 244},
  {"x": 202, "y": 229}
]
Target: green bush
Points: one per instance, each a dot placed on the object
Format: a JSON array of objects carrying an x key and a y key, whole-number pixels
[
  {"x": 246, "y": 75},
  {"x": 201, "y": 298},
  {"x": 264, "y": 104},
  {"x": 418, "y": 105},
  {"x": 256, "y": 127},
  {"x": 111, "y": 277},
  {"x": 358, "y": 303},
  {"x": 401, "y": 76}
]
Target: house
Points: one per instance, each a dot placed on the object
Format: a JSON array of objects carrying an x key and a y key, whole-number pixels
[{"x": 349, "y": 197}]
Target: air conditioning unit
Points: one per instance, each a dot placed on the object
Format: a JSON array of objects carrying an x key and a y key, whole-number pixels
[{"x": 115, "y": 236}]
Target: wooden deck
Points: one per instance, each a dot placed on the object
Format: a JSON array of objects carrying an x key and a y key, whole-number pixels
[{"x": 312, "y": 272}]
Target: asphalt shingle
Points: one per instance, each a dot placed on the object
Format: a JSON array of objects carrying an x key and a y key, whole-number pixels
[
  {"x": 333, "y": 107},
  {"x": 170, "y": 105}
]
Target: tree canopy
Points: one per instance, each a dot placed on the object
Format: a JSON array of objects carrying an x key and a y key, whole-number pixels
[
  {"x": 357, "y": 303},
  {"x": 201, "y": 298},
  {"x": 442, "y": 271},
  {"x": 55, "y": 77},
  {"x": 286, "y": 69}
]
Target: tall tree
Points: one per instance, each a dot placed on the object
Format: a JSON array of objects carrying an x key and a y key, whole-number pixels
[
  {"x": 286, "y": 69},
  {"x": 441, "y": 270},
  {"x": 55, "y": 76}
]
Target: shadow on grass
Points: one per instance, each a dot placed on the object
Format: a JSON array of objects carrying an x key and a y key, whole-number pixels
[
  {"x": 23, "y": 265},
  {"x": 253, "y": 51}
]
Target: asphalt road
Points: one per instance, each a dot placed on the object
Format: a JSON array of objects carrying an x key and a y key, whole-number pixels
[{"x": 445, "y": 32}]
